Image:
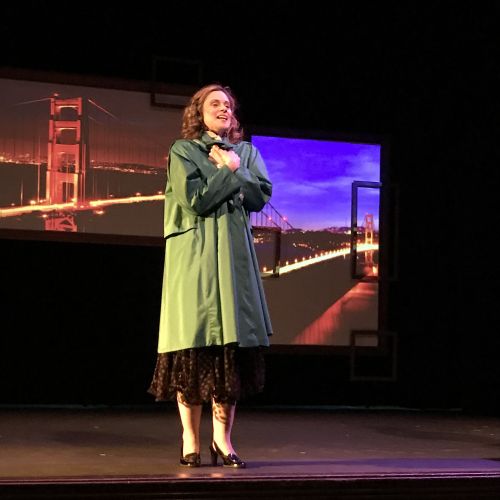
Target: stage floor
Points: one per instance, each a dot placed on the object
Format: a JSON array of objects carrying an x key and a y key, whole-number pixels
[{"x": 62, "y": 445}]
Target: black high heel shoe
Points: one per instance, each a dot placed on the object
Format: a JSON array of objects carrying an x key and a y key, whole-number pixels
[
  {"x": 230, "y": 460},
  {"x": 190, "y": 460}
]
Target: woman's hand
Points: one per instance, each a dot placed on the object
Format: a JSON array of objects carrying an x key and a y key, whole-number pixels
[{"x": 221, "y": 157}]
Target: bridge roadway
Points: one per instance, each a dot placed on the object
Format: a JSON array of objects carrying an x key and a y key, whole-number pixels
[
  {"x": 74, "y": 206},
  {"x": 321, "y": 304}
]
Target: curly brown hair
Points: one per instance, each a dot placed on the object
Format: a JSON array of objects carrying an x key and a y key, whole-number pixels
[{"x": 192, "y": 121}]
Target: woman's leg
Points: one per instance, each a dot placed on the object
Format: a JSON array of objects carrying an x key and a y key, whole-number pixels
[
  {"x": 190, "y": 419},
  {"x": 223, "y": 418}
]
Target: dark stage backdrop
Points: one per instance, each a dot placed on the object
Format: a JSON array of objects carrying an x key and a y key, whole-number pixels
[
  {"x": 426, "y": 75},
  {"x": 80, "y": 315}
]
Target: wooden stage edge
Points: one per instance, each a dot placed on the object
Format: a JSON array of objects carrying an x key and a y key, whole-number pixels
[{"x": 456, "y": 486}]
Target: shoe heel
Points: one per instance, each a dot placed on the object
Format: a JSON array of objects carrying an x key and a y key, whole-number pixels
[
  {"x": 229, "y": 460},
  {"x": 213, "y": 455},
  {"x": 190, "y": 460}
]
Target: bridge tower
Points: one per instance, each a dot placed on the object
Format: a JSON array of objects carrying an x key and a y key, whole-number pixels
[
  {"x": 368, "y": 228},
  {"x": 68, "y": 153},
  {"x": 369, "y": 263}
]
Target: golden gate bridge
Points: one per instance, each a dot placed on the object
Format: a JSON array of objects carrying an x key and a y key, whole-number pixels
[{"x": 64, "y": 189}]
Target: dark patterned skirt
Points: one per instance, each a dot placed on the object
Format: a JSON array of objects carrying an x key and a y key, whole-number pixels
[{"x": 224, "y": 373}]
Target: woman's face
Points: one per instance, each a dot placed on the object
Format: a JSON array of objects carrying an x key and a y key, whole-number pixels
[{"x": 217, "y": 112}]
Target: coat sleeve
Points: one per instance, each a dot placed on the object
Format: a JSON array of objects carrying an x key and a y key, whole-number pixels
[
  {"x": 256, "y": 186},
  {"x": 195, "y": 192}
]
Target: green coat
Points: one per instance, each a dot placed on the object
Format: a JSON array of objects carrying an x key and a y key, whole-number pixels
[{"x": 212, "y": 291}]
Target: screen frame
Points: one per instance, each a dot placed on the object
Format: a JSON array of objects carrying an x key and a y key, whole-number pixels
[
  {"x": 154, "y": 88},
  {"x": 388, "y": 217}
]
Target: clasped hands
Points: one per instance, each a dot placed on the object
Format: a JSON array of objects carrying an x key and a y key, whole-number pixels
[{"x": 221, "y": 157}]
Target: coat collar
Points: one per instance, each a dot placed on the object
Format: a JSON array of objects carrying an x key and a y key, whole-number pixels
[{"x": 206, "y": 142}]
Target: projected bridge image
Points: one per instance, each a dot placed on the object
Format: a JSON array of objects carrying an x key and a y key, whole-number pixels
[
  {"x": 71, "y": 164},
  {"x": 316, "y": 301}
]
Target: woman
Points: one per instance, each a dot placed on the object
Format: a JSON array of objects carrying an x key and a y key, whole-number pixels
[{"x": 214, "y": 320}]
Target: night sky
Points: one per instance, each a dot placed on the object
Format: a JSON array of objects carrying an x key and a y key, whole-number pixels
[
  {"x": 312, "y": 179},
  {"x": 128, "y": 130}
]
